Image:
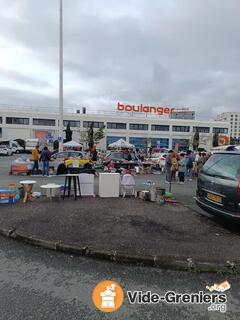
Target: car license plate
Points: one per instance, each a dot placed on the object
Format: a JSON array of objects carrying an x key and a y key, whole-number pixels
[{"x": 214, "y": 197}]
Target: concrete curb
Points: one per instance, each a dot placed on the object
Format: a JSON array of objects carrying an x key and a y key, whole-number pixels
[{"x": 166, "y": 262}]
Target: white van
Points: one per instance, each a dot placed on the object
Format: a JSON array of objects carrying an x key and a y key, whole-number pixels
[
  {"x": 13, "y": 146},
  {"x": 32, "y": 143}
]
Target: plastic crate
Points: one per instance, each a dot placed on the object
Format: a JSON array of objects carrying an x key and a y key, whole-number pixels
[{"x": 8, "y": 196}]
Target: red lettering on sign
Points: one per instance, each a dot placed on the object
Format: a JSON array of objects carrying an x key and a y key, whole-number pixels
[
  {"x": 120, "y": 107},
  {"x": 146, "y": 109}
]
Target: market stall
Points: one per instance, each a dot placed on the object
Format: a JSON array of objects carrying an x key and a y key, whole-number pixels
[
  {"x": 121, "y": 144},
  {"x": 21, "y": 166},
  {"x": 72, "y": 145}
]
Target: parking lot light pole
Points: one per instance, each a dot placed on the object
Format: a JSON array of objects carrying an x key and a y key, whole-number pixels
[{"x": 60, "y": 128}]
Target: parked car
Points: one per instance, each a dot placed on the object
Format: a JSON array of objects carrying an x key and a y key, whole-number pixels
[
  {"x": 120, "y": 156},
  {"x": 158, "y": 160},
  {"x": 13, "y": 145},
  {"x": 159, "y": 150},
  {"x": 225, "y": 148},
  {"x": 67, "y": 157},
  {"x": 16, "y": 148},
  {"x": 218, "y": 186},
  {"x": 5, "y": 150}
]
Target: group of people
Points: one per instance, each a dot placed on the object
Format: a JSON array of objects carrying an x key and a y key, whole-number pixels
[
  {"x": 187, "y": 165},
  {"x": 44, "y": 156}
]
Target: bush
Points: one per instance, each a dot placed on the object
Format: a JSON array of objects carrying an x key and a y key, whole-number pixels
[{"x": 21, "y": 142}]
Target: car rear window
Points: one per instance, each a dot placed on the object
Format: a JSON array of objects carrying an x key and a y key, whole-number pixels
[
  {"x": 74, "y": 154},
  {"x": 117, "y": 155},
  {"x": 156, "y": 155},
  {"x": 60, "y": 155},
  {"x": 226, "y": 166}
]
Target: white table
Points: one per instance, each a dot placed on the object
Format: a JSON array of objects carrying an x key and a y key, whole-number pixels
[
  {"x": 27, "y": 186},
  {"x": 109, "y": 185},
  {"x": 51, "y": 187}
]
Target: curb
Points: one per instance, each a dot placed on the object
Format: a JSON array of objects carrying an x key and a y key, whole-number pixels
[{"x": 164, "y": 262}]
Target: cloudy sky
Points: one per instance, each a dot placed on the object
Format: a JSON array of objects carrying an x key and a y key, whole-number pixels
[{"x": 182, "y": 53}]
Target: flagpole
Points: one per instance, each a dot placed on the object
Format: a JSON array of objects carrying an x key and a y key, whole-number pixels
[{"x": 60, "y": 126}]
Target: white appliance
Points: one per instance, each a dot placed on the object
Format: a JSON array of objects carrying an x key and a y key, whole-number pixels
[{"x": 109, "y": 185}]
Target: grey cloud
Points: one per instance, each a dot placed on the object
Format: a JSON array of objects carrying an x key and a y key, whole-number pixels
[
  {"x": 21, "y": 78},
  {"x": 14, "y": 97}
]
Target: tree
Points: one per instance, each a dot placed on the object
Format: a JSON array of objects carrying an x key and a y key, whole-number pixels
[
  {"x": 215, "y": 139},
  {"x": 99, "y": 134},
  {"x": 92, "y": 137},
  {"x": 149, "y": 142},
  {"x": 68, "y": 133},
  {"x": 196, "y": 139},
  {"x": 55, "y": 145},
  {"x": 234, "y": 140}
]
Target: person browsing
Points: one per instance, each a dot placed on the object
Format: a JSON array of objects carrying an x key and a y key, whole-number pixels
[{"x": 35, "y": 158}]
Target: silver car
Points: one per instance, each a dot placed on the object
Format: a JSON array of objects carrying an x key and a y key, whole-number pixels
[
  {"x": 218, "y": 187},
  {"x": 5, "y": 150}
]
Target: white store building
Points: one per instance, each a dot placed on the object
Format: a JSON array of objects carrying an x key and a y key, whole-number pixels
[
  {"x": 233, "y": 118},
  {"x": 142, "y": 130}
]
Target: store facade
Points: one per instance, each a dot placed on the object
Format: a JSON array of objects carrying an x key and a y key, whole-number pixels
[{"x": 142, "y": 131}]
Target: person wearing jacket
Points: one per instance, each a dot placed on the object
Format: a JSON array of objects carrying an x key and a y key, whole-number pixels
[
  {"x": 168, "y": 164},
  {"x": 189, "y": 166},
  {"x": 174, "y": 166},
  {"x": 182, "y": 168},
  {"x": 35, "y": 158},
  {"x": 45, "y": 157}
]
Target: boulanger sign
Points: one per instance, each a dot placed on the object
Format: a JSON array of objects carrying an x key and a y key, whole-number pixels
[{"x": 144, "y": 109}]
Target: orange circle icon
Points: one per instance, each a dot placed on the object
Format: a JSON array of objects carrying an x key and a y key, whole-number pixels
[{"x": 108, "y": 296}]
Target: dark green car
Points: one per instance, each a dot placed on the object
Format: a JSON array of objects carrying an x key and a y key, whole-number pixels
[{"x": 218, "y": 187}]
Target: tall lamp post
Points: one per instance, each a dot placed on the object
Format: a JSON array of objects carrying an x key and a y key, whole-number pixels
[{"x": 60, "y": 126}]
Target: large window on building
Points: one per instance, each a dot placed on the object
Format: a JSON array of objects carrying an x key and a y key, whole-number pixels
[
  {"x": 160, "y": 142},
  {"x": 181, "y": 128},
  {"x": 159, "y": 127},
  {"x": 220, "y": 130},
  {"x": 116, "y": 125},
  {"x": 180, "y": 144},
  {"x": 201, "y": 129},
  {"x": 111, "y": 139},
  {"x": 0, "y": 119},
  {"x": 96, "y": 124},
  {"x": 14, "y": 120},
  {"x": 0, "y": 132},
  {"x": 73, "y": 123},
  {"x": 44, "y": 122},
  {"x": 140, "y": 143},
  {"x": 138, "y": 126}
]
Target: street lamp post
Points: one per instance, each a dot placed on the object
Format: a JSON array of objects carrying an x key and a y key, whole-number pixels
[{"x": 60, "y": 128}]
